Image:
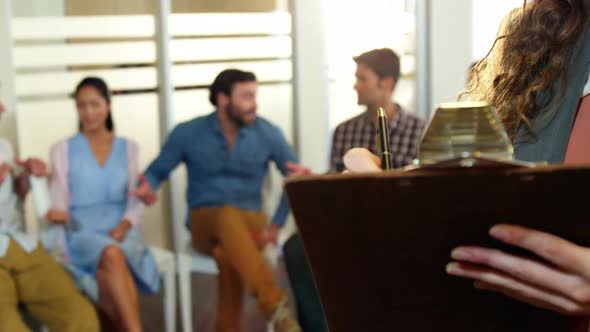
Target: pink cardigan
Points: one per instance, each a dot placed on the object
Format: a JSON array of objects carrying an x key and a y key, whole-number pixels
[{"x": 59, "y": 189}]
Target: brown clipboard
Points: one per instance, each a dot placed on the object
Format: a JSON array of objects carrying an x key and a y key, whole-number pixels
[{"x": 378, "y": 243}]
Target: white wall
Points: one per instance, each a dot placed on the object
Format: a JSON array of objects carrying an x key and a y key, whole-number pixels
[
  {"x": 8, "y": 9},
  {"x": 488, "y": 15},
  {"x": 461, "y": 31},
  {"x": 354, "y": 27},
  {"x": 310, "y": 83},
  {"x": 7, "y": 91},
  {"x": 450, "y": 47}
]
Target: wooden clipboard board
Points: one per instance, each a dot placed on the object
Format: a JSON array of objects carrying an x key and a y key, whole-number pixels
[{"x": 378, "y": 243}]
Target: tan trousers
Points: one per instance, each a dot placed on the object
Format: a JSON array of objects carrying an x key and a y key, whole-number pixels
[
  {"x": 225, "y": 233},
  {"x": 41, "y": 284}
]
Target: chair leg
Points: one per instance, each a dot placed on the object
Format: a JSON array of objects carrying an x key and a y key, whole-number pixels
[
  {"x": 184, "y": 271},
  {"x": 170, "y": 298}
]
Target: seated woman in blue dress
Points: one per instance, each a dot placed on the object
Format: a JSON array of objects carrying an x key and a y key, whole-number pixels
[{"x": 92, "y": 174}]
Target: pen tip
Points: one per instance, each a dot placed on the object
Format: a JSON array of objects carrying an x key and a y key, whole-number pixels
[{"x": 380, "y": 112}]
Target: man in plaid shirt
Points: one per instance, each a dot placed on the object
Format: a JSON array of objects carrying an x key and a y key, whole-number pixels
[{"x": 377, "y": 74}]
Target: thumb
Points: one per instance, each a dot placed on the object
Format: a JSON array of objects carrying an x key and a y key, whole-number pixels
[
  {"x": 293, "y": 166},
  {"x": 359, "y": 160}
]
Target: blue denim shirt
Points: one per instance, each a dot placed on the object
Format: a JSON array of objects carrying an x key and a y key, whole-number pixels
[{"x": 218, "y": 176}]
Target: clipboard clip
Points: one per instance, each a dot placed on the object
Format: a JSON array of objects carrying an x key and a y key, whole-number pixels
[{"x": 465, "y": 135}]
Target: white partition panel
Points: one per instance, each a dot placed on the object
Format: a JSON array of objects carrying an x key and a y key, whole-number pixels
[
  {"x": 190, "y": 104},
  {"x": 136, "y": 117},
  {"x": 203, "y": 74},
  {"x": 144, "y": 52},
  {"x": 52, "y": 54},
  {"x": 86, "y": 27},
  {"x": 31, "y": 84},
  {"x": 219, "y": 24},
  {"x": 181, "y": 25},
  {"x": 221, "y": 49},
  {"x": 43, "y": 123},
  {"x": 79, "y": 54},
  {"x": 274, "y": 104}
]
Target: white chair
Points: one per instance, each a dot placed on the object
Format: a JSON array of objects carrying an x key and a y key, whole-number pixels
[
  {"x": 188, "y": 262},
  {"x": 164, "y": 258},
  {"x": 191, "y": 260}
]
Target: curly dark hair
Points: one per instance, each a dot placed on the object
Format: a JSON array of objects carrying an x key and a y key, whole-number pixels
[{"x": 529, "y": 57}]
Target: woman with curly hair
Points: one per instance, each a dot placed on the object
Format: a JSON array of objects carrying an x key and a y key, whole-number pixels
[{"x": 536, "y": 76}]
